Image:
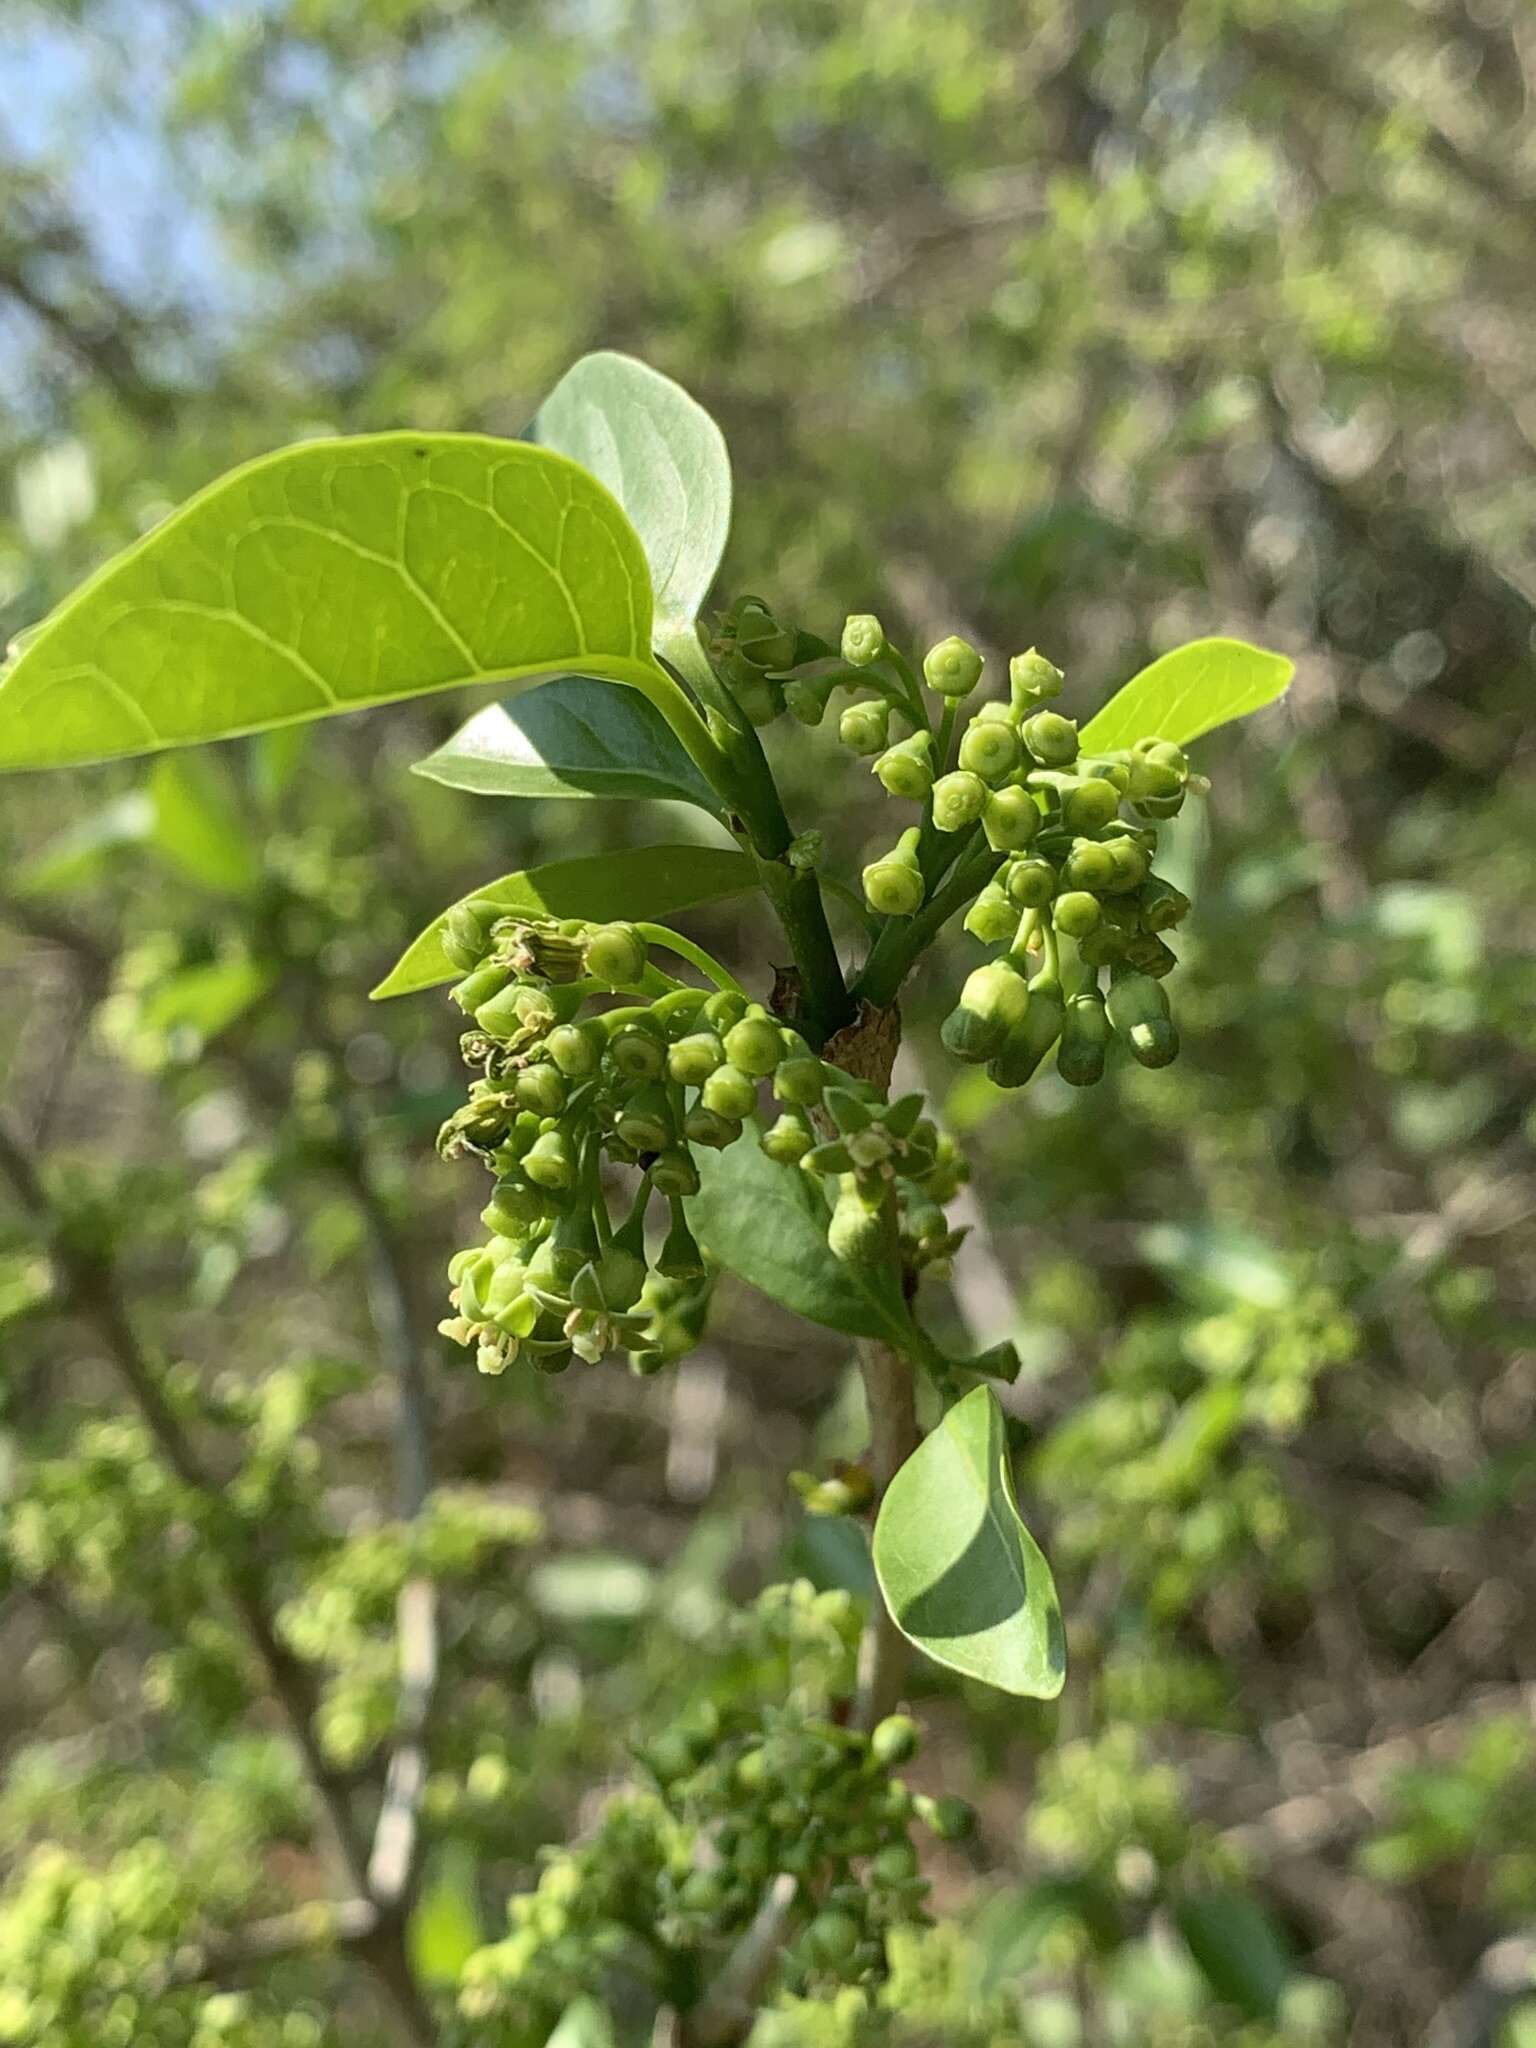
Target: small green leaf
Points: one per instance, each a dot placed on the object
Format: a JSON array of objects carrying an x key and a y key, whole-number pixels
[
  {"x": 445, "y": 1926},
  {"x": 663, "y": 458},
  {"x": 570, "y": 738},
  {"x": 205, "y": 1001},
  {"x": 961, "y": 1574},
  {"x": 1189, "y": 692},
  {"x": 635, "y": 883},
  {"x": 330, "y": 576},
  {"x": 1239, "y": 1949},
  {"x": 584, "y": 2024},
  {"x": 78, "y": 852},
  {"x": 198, "y": 826},
  {"x": 767, "y": 1224}
]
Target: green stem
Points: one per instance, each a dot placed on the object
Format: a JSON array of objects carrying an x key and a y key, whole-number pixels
[
  {"x": 685, "y": 949},
  {"x": 660, "y": 689},
  {"x": 904, "y": 938}
]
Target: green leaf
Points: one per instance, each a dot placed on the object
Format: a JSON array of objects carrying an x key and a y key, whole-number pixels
[
  {"x": 1239, "y": 1949},
  {"x": 663, "y": 458},
  {"x": 767, "y": 1223},
  {"x": 198, "y": 826},
  {"x": 445, "y": 1926},
  {"x": 1189, "y": 692},
  {"x": 79, "y": 851},
  {"x": 330, "y": 576},
  {"x": 584, "y": 2024},
  {"x": 205, "y": 1001},
  {"x": 570, "y": 738},
  {"x": 962, "y": 1576},
  {"x": 635, "y": 883}
]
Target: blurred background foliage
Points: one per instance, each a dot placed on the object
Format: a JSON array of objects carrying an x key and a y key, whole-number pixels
[{"x": 1096, "y": 325}]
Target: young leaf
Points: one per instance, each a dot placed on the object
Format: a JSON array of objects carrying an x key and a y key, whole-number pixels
[
  {"x": 663, "y": 458},
  {"x": 198, "y": 826},
  {"x": 1189, "y": 692},
  {"x": 600, "y": 886},
  {"x": 78, "y": 852},
  {"x": 767, "y": 1223},
  {"x": 330, "y": 576},
  {"x": 570, "y": 738},
  {"x": 1241, "y": 1953},
  {"x": 962, "y": 1576}
]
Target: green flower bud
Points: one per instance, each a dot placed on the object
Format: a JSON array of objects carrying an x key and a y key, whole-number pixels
[
  {"x": 703, "y": 1126},
  {"x": 464, "y": 937},
  {"x": 1149, "y": 954},
  {"x": 1090, "y": 865},
  {"x": 1028, "y": 1044},
  {"x": 788, "y": 1140},
  {"x": 1112, "y": 769},
  {"x": 542, "y": 949},
  {"x": 1030, "y": 883},
  {"x": 950, "y": 1819},
  {"x": 1075, "y": 914},
  {"x": 479, "y": 986},
  {"x": 760, "y": 636},
  {"x": 727, "y": 1006},
  {"x": 754, "y": 1045},
  {"x": 1161, "y": 905},
  {"x": 1131, "y": 866},
  {"x": 620, "y": 1276},
  {"x": 1105, "y": 944},
  {"x": 992, "y": 1004},
  {"x": 1010, "y": 819},
  {"x": 514, "y": 1208},
  {"x": 575, "y": 1049},
  {"x": 1138, "y": 1009},
  {"x": 693, "y": 1059},
  {"x": 505, "y": 1015},
  {"x": 645, "y": 1121},
  {"x": 865, "y": 727},
  {"x": 729, "y": 1093},
  {"x": 518, "y": 1317},
  {"x": 856, "y": 1231},
  {"x": 953, "y": 668},
  {"x": 893, "y": 1866},
  {"x": 1051, "y": 739},
  {"x": 615, "y": 954},
  {"x": 1090, "y": 805},
  {"x": 906, "y": 769},
  {"x": 1084, "y": 1040},
  {"x": 894, "y": 1740},
  {"x": 674, "y": 1173},
  {"x": 893, "y": 884},
  {"x": 806, "y": 697},
  {"x": 992, "y": 918},
  {"x": 549, "y": 1163},
  {"x": 990, "y": 749},
  {"x": 1033, "y": 680},
  {"x": 832, "y": 1938},
  {"x": 636, "y": 1049},
  {"x": 958, "y": 800},
  {"x": 863, "y": 639},
  {"x": 1162, "y": 754},
  {"x": 541, "y": 1088},
  {"x": 800, "y": 1080}
]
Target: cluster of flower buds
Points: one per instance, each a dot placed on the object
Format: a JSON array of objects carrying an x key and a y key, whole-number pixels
[{"x": 566, "y": 1090}]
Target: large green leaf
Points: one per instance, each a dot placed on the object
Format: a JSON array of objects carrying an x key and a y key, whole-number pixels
[
  {"x": 641, "y": 882},
  {"x": 570, "y": 738},
  {"x": 333, "y": 575},
  {"x": 663, "y": 458},
  {"x": 961, "y": 1574},
  {"x": 1189, "y": 692},
  {"x": 767, "y": 1223}
]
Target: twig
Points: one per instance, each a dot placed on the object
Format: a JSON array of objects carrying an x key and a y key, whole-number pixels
[
  {"x": 891, "y": 1397},
  {"x": 728, "y": 2009}
]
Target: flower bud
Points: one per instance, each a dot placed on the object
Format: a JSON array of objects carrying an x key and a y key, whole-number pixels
[
  {"x": 575, "y": 1049},
  {"x": 1075, "y": 914},
  {"x": 703, "y": 1126},
  {"x": 893, "y": 884},
  {"x": 620, "y": 1276},
  {"x": 1090, "y": 805},
  {"x": 894, "y": 1740},
  {"x": 1090, "y": 865},
  {"x": 1138, "y": 1009},
  {"x": 615, "y": 954},
  {"x": 800, "y": 1080},
  {"x": 992, "y": 918},
  {"x": 645, "y": 1121},
  {"x": 990, "y": 749},
  {"x": 958, "y": 799},
  {"x": 514, "y": 1208},
  {"x": 806, "y": 697},
  {"x": 788, "y": 1139},
  {"x": 1160, "y": 806},
  {"x": 906, "y": 769},
  {"x": 1101, "y": 947},
  {"x": 674, "y": 1173},
  {"x": 636, "y": 1049},
  {"x": 1051, "y": 739},
  {"x": 953, "y": 668},
  {"x": 1028, "y": 1044},
  {"x": 1161, "y": 905},
  {"x": 1131, "y": 866},
  {"x": 548, "y": 1161},
  {"x": 856, "y": 1231},
  {"x": 693, "y": 1059},
  {"x": 992, "y": 1003},
  {"x": 754, "y": 1045},
  {"x": 760, "y": 636},
  {"x": 758, "y": 698},
  {"x": 1033, "y": 680},
  {"x": 1010, "y": 818},
  {"x": 864, "y": 727},
  {"x": 863, "y": 639},
  {"x": 1084, "y": 1040},
  {"x": 1030, "y": 883},
  {"x": 1162, "y": 754},
  {"x": 729, "y": 1093},
  {"x": 543, "y": 950},
  {"x": 541, "y": 1088},
  {"x": 464, "y": 937},
  {"x": 1148, "y": 954},
  {"x": 479, "y": 986}
]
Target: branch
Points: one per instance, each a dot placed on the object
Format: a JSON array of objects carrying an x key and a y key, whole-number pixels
[{"x": 728, "y": 2010}]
